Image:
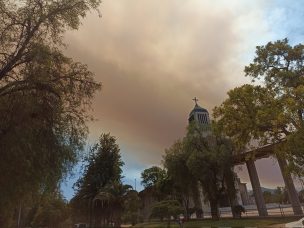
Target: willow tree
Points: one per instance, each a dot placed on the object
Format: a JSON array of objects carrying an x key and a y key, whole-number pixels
[
  {"x": 210, "y": 162},
  {"x": 272, "y": 111},
  {"x": 44, "y": 97},
  {"x": 184, "y": 184}
]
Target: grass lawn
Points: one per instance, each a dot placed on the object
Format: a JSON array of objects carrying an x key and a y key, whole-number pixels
[{"x": 249, "y": 222}]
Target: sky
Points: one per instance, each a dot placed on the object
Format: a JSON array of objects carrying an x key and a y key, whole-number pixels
[{"x": 154, "y": 56}]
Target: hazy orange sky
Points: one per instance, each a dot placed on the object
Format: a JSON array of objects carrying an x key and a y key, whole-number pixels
[{"x": 154, "y": 56}]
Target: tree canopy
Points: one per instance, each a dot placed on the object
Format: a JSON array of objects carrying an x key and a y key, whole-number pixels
[
  {"x": 210, "y": 162},
  {"x": 184, "y": 183},
  {"x": 103, "y": 167},
  {"x": 132, "y": 206},
  {"x": 44, "y": 97},
  {"x": 51, "y": 210},
  {"x": 110, "y": 202},
  {"x": 166, "y": 209},
  {"x": 152, "y": 176},
  {"x": 272, "y": 111},
  {"x": 202, "y": 161},
  {"x": 99, "y": 191}
]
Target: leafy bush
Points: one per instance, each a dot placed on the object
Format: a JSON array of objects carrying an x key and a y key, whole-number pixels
[
  {"x": 237, "y": 211},
  {"x": 166, "y": 209}
]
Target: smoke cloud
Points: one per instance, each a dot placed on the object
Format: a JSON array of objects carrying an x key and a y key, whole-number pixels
[{"x": 154, "y": 56}]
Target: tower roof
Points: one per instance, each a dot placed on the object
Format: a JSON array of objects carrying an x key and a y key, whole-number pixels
[
  {"x": 199, "y": 115},
  {"x": 197, "y": 108}
]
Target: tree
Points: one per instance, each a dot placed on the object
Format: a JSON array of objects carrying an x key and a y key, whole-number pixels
[
  {"x": 271, "y": 112},
  {"x": 268, "y": 197},
  {"x": 53, "y": 211},
  {"x": 281, "y": 195},
  {"x": 108, "y": 204},
  {"x": 132, "y": 206},
  {"x": 210, "y": 162},
  {"x": 44, "y": 96},
  {"x": 301, "y": 196},
  {"x": 102, "y": 174},
  {"x": 166, "y": 209},
  {"x": 158, "y": 181},
  {"x": 103, "y": 166},
  {"x": 247, "y": 114},
  {"x": 237, "y": 210},
  {"x": 183, "y": 182},
  {"x": 26, "y": 25},
  {"x": 151, "y": 176}
]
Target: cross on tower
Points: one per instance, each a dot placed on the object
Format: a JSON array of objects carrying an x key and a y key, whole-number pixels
[{"x": 195, "y": 100}]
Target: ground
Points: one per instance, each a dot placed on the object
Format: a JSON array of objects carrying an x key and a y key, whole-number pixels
[{"x": 244, "y": 222}]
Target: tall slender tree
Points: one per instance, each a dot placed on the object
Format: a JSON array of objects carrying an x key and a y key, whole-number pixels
[
  {"x": 101, "y": 178},
  {"x": 175, "y": 161}
]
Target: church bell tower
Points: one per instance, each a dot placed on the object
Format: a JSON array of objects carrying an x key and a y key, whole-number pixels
[{"x": 199, "y": 115}]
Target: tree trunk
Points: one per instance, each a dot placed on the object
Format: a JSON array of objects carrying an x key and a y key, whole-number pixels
[
  {"x": 197, "y": 201},
  {"x": 186, "y": 207},
  {"x": 214, "y": 209},
  {"x": 233, "y": 203},
  {"x": 169, "y": 221},
  {"x": 300, "y": 115}
]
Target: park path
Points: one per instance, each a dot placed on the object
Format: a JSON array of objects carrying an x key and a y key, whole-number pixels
[
  {"x": 125, "y": 226},
  {"x": 298, "y": 224}
]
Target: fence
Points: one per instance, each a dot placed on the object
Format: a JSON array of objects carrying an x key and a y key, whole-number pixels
[{"x": 251, "y": 211}]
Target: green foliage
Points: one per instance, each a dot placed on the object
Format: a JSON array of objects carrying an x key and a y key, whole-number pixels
[
  {"x": 202, "y": 159},
  {"x": 47, "y": 208},
  {"x": 44, "y": 97},
  {"x": 273, "y": 111},
  {"x": 267, "y": 196},
  {"x": 280, "y": 196},
  {"x": 237, "y": 211},
  {"x": 249, "y": 113},
  {"x": 184, "y": 184},
  {"x": 151, "y": 176},
  {"x": 225, "y": 222},
  {"x": 108, "y": 204},
  {"x": 103, "y": 167},
  {"x": 158, "y": 181},
  {"x": 100, "y": 188},
  {"x": 301, "y": 196},
  {"x": 210, "y": 162},
  {"x": 132, "y": 204},
  {"x": 52, "y": 212},
  {"x": 279, "y": 65},
  {"x": 295, "y": 151},
  {"x": 166, "y": 209}
]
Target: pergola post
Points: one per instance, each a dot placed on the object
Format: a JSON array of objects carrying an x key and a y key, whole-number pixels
[
  {"x": 256, "y": 187},
  {"x": 291, "y": 190}
]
